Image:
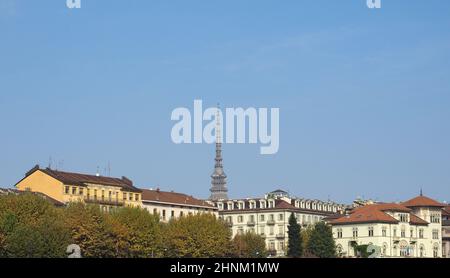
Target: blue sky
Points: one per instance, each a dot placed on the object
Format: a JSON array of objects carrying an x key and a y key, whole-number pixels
[{"x": 364, "y": 95}]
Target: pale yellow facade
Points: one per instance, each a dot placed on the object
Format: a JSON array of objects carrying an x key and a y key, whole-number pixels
[{"x": 104, "y": 195}]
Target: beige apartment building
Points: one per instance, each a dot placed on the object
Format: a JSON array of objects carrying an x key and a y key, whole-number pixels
[
  {"x": 409, "y": 229},
  {"x": 66, "y": 187}
]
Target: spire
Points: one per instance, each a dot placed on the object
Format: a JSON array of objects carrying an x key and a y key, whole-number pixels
[
  {"x": 421, "y": 192},
  {"x": 218, "y": 178}
]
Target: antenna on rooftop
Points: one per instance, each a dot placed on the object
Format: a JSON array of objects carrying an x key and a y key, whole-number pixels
[{"x": 50, "y": 162}]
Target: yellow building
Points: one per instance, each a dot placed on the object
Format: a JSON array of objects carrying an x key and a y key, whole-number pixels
[{"x": 68, "y": 187}]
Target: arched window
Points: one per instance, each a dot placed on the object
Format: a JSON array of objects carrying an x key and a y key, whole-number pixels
[
  {"x": 384, "y": 250},
  {"x": 435, "y": 251},
  {"x": 422, "y": 251}
]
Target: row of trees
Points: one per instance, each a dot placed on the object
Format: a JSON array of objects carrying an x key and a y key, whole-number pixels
[{"x": 32, "y": 227}]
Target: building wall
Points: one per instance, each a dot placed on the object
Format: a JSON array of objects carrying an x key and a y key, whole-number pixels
[
  {"x": 393, "y": 243},
  {"x": 272, "y": 225},
  {"x": 168, "y": 211},
  {"x": 41, "y": 182},
  {"x": 96, "y": 193}
]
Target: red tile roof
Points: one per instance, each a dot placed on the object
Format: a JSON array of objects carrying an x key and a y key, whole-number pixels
[
  {"x": 172, "y": 198},
  {"x": 376, "y": 213},
  {"x": 281, "y": 204},
  {"x": 422, "y": 201}
]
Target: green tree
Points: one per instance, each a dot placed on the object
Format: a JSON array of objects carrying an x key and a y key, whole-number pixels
[
  {"x": 249, "y": 245},
  {"x": 31, "y": 227},
  {"x": 321, "y": 242},
  {"x": 295, "y": 248},
  {"x": 197, "y": 236},
  {"x": 143, "y": 232},
  {"x": 306, "y": 235},
  {"x": 96, "y": 234}
]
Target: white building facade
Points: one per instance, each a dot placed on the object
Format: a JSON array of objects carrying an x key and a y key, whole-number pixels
[
  {"x": 169, "y": 205},
  {"x": 269, "y": 216},
  {"x": 409, "y": 229}
]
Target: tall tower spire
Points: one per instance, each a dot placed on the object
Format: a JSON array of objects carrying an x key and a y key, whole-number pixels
[{"x": 219, "y": 188}]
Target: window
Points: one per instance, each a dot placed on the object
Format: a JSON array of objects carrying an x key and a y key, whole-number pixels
[
  {"x": 383, "y": 231},
  {"x": 403, "y": 217},
  {"x": 261, "y": 218},
  {"x": 74, "y": 190},
  {"x": 280, "y": 217},
  {"x": 81, "y": 191},
  {"x": 435, "y": 234},
  {"x": 181, "y": 213},
  {"x": 110, "y": 195},
  {"x": 420, "y": 233},
  {"x": 370, "y": 231},
  {"x": 252, "y": 218},
  {"x": 271, "y": 230},
  {"x": 164, "y": 214},
  {"x": 103, "y": 195},
  {"x": 435, "y": 251},
  {"x": 136, "y": 197},
  {"x": 172, "y": 214},
  {"x": 281, "y": 245},
  {"x": 355, "y": 232},
  {"x": 67, "y": 190},
  {"x": 95, "y": 194},
  {"x": 395, "y": 232},
  {"x": 339, "y": 233},
  {"x": 271, "y": 217},
  {"x": 403, "y": 232},
  {"x": 411, "y": 232},
  {"x": 130, "y": 196},
  {"x": 124, "y": 196},
  {"x": 272, "y": 246},
  {"x": 155, "y": 211},
  {"x": 240, "y": 219},
  {"x": 435, "y": 218}
]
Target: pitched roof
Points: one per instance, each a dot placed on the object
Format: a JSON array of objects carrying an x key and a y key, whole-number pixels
[
  {"x": 71, "y": 178},
  {"x": 281, "y": 204},
  {"x": 422, "y": 201},
  {"x": 173, "y": 198},
  {"x": 376, "y": 213}
]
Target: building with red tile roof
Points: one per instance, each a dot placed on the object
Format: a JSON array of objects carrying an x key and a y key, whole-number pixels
[
  {"x": 172, "y": 204},
  {"x": 407, "y": 229}
]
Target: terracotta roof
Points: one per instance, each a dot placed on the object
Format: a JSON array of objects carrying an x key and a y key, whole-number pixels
[
  {"x": 413, "y": 219},
  {"x": 422, "y": 201},
  {"x": 376, "y": 213},
  {"x": 70, "y": 178},
  {"x": 281, "y": 204},
  {"x": 172, "y": 198}
]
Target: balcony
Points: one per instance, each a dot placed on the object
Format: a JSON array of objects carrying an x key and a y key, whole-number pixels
[
  {"x": 280, "y": 236},
  {"x": 229, "y": 223},
  {"x": 104, "y": 201},
  {"x": 271, "y": 222},
  {"x": 251, "y": 223}
]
